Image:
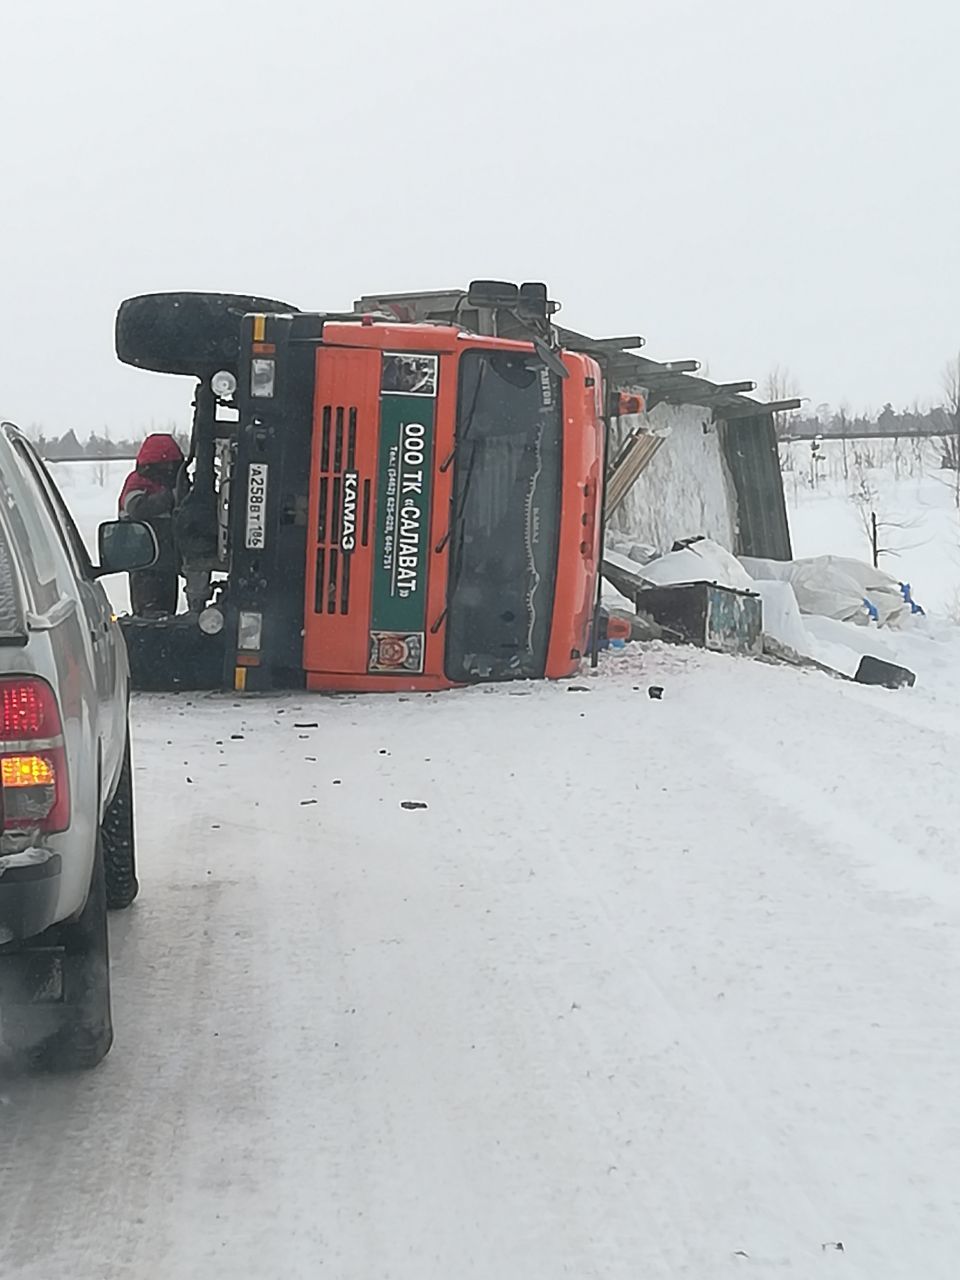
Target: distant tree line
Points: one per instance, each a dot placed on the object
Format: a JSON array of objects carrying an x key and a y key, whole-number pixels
[
  {"x": 940, "y": 422},
  {"x": 57, "y": 448},
  {"x": 826, "y": 421}
]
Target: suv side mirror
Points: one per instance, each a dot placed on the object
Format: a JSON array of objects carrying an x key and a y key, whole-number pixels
[{"x": 125, "y": 545}]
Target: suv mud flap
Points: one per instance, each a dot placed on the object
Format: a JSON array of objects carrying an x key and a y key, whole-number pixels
[{"x": 33, "y": 976}]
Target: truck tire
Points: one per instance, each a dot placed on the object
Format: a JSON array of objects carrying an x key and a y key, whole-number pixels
[
  {"x": 118, "y": 838},
  {"x": 75, "y": 1033},
  {"x": 190, "y": 333}
]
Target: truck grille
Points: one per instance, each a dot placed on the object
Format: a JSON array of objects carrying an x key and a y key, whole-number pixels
[
  {"x": 338, "y": 457},
  {"x": 341, "y": 521}
]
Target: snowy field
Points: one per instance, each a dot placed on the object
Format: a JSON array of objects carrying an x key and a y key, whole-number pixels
[
  {"x": 651, "y": 989},
  {"x": 915, "y": 502}
]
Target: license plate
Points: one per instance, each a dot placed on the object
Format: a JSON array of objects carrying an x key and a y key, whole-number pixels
[{"x": 256, "y": 505}]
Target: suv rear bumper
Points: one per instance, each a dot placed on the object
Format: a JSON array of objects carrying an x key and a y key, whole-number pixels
[{"x": 29, "y": 891}]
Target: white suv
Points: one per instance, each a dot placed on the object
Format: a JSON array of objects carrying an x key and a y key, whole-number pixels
[{"x": 66, "y": 821}]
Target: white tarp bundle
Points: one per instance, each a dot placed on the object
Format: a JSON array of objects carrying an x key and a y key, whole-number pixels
[
  {"x": 640, "y": 553},
  {"x": 701, "y": 561},
  {"x": 790, "y": 634},
  {"x": 807, "y": 604},
  {"x": 836, "y": 587}
]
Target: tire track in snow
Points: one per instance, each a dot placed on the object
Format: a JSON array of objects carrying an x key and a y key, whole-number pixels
[
  {"x": 707, "y": 1125},
  {"x": 106, "y": 1148},
  {"x": 359, "y": 1050},
  {"x": 892, "y": 1006}
]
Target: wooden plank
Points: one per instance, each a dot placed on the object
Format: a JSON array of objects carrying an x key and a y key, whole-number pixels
[{"x": 632, "y": 461}]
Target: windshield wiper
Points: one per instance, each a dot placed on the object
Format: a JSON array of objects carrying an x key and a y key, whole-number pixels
[
  {"x": 464, "y": 430},
  {"x": 456, "y": 522},
  {"x": 462, "y": 436},
  {"x": 549, "y": 357}
]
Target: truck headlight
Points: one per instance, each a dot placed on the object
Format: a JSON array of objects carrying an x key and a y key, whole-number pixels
[
  {"x": 263, "y": 376},
  {"x": 223, "y": 384},
  {"x": 249, "y": 630},
  {"x": 210, "y": 621}
]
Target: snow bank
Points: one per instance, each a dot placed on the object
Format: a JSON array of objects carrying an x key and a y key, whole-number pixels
[{"x": 788, "y": 634}]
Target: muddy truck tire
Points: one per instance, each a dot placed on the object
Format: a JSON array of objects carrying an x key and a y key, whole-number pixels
[{"x": 189, "y": 333}]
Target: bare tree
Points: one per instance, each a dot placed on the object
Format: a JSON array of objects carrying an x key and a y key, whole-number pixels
[
  {"x": 880, "y": 528},
  {"x": 780, "y": 384},
  {"x": 864, "y": 494},
  {"x": 949, "y": 445},
  {"x": 843, "y": 425}
]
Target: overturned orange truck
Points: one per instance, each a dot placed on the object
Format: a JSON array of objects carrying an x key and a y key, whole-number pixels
[{"x": 373, "y": 500}]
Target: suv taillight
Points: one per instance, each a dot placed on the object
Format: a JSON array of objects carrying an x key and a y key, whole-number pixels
[{"x": 33, "y": 762}]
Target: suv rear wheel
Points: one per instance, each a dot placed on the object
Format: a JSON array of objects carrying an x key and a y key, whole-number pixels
[{"x": 75, "y": 1032}]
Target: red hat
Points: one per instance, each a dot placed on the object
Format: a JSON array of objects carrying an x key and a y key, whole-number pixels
[{"x": 159, "y": 448}]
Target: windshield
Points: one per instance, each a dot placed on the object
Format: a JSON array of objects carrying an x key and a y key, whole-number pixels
[{"x": 506, "y": 512}]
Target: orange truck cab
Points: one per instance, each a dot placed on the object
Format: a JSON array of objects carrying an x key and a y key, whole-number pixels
[
  {"x": 453, "y": 527},
  {"x": 391, "y": 504}
]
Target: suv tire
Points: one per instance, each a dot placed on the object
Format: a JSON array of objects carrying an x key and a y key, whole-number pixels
[{"x": 75, "y": 1034}]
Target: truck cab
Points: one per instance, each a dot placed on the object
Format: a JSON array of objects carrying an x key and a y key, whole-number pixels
[{"x": 397, "y": 503}]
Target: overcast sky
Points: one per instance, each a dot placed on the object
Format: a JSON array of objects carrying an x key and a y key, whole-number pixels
[{"x": 749, "y": 182}]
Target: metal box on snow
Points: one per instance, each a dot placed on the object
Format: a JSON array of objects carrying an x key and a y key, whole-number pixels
[{"x": 707, "y": 615}]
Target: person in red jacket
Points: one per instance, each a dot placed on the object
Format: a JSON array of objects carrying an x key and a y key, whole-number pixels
[{"x": 148, "y": 495}]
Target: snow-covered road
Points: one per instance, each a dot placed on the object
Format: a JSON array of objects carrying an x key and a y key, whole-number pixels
[{"x": 650, "y": 989}]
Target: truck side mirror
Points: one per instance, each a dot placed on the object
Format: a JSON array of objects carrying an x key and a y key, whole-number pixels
[
  {"x": 492, "y": 293},
  {"x": 124, "y": 546},
  {"x": 533, "y": 302}
]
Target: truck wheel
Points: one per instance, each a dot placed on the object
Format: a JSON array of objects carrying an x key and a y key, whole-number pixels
[
  {"x": 76, "y": 1032},
  {"x": 191, "y": 333},
  {"x": 118, "y": 838}
]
